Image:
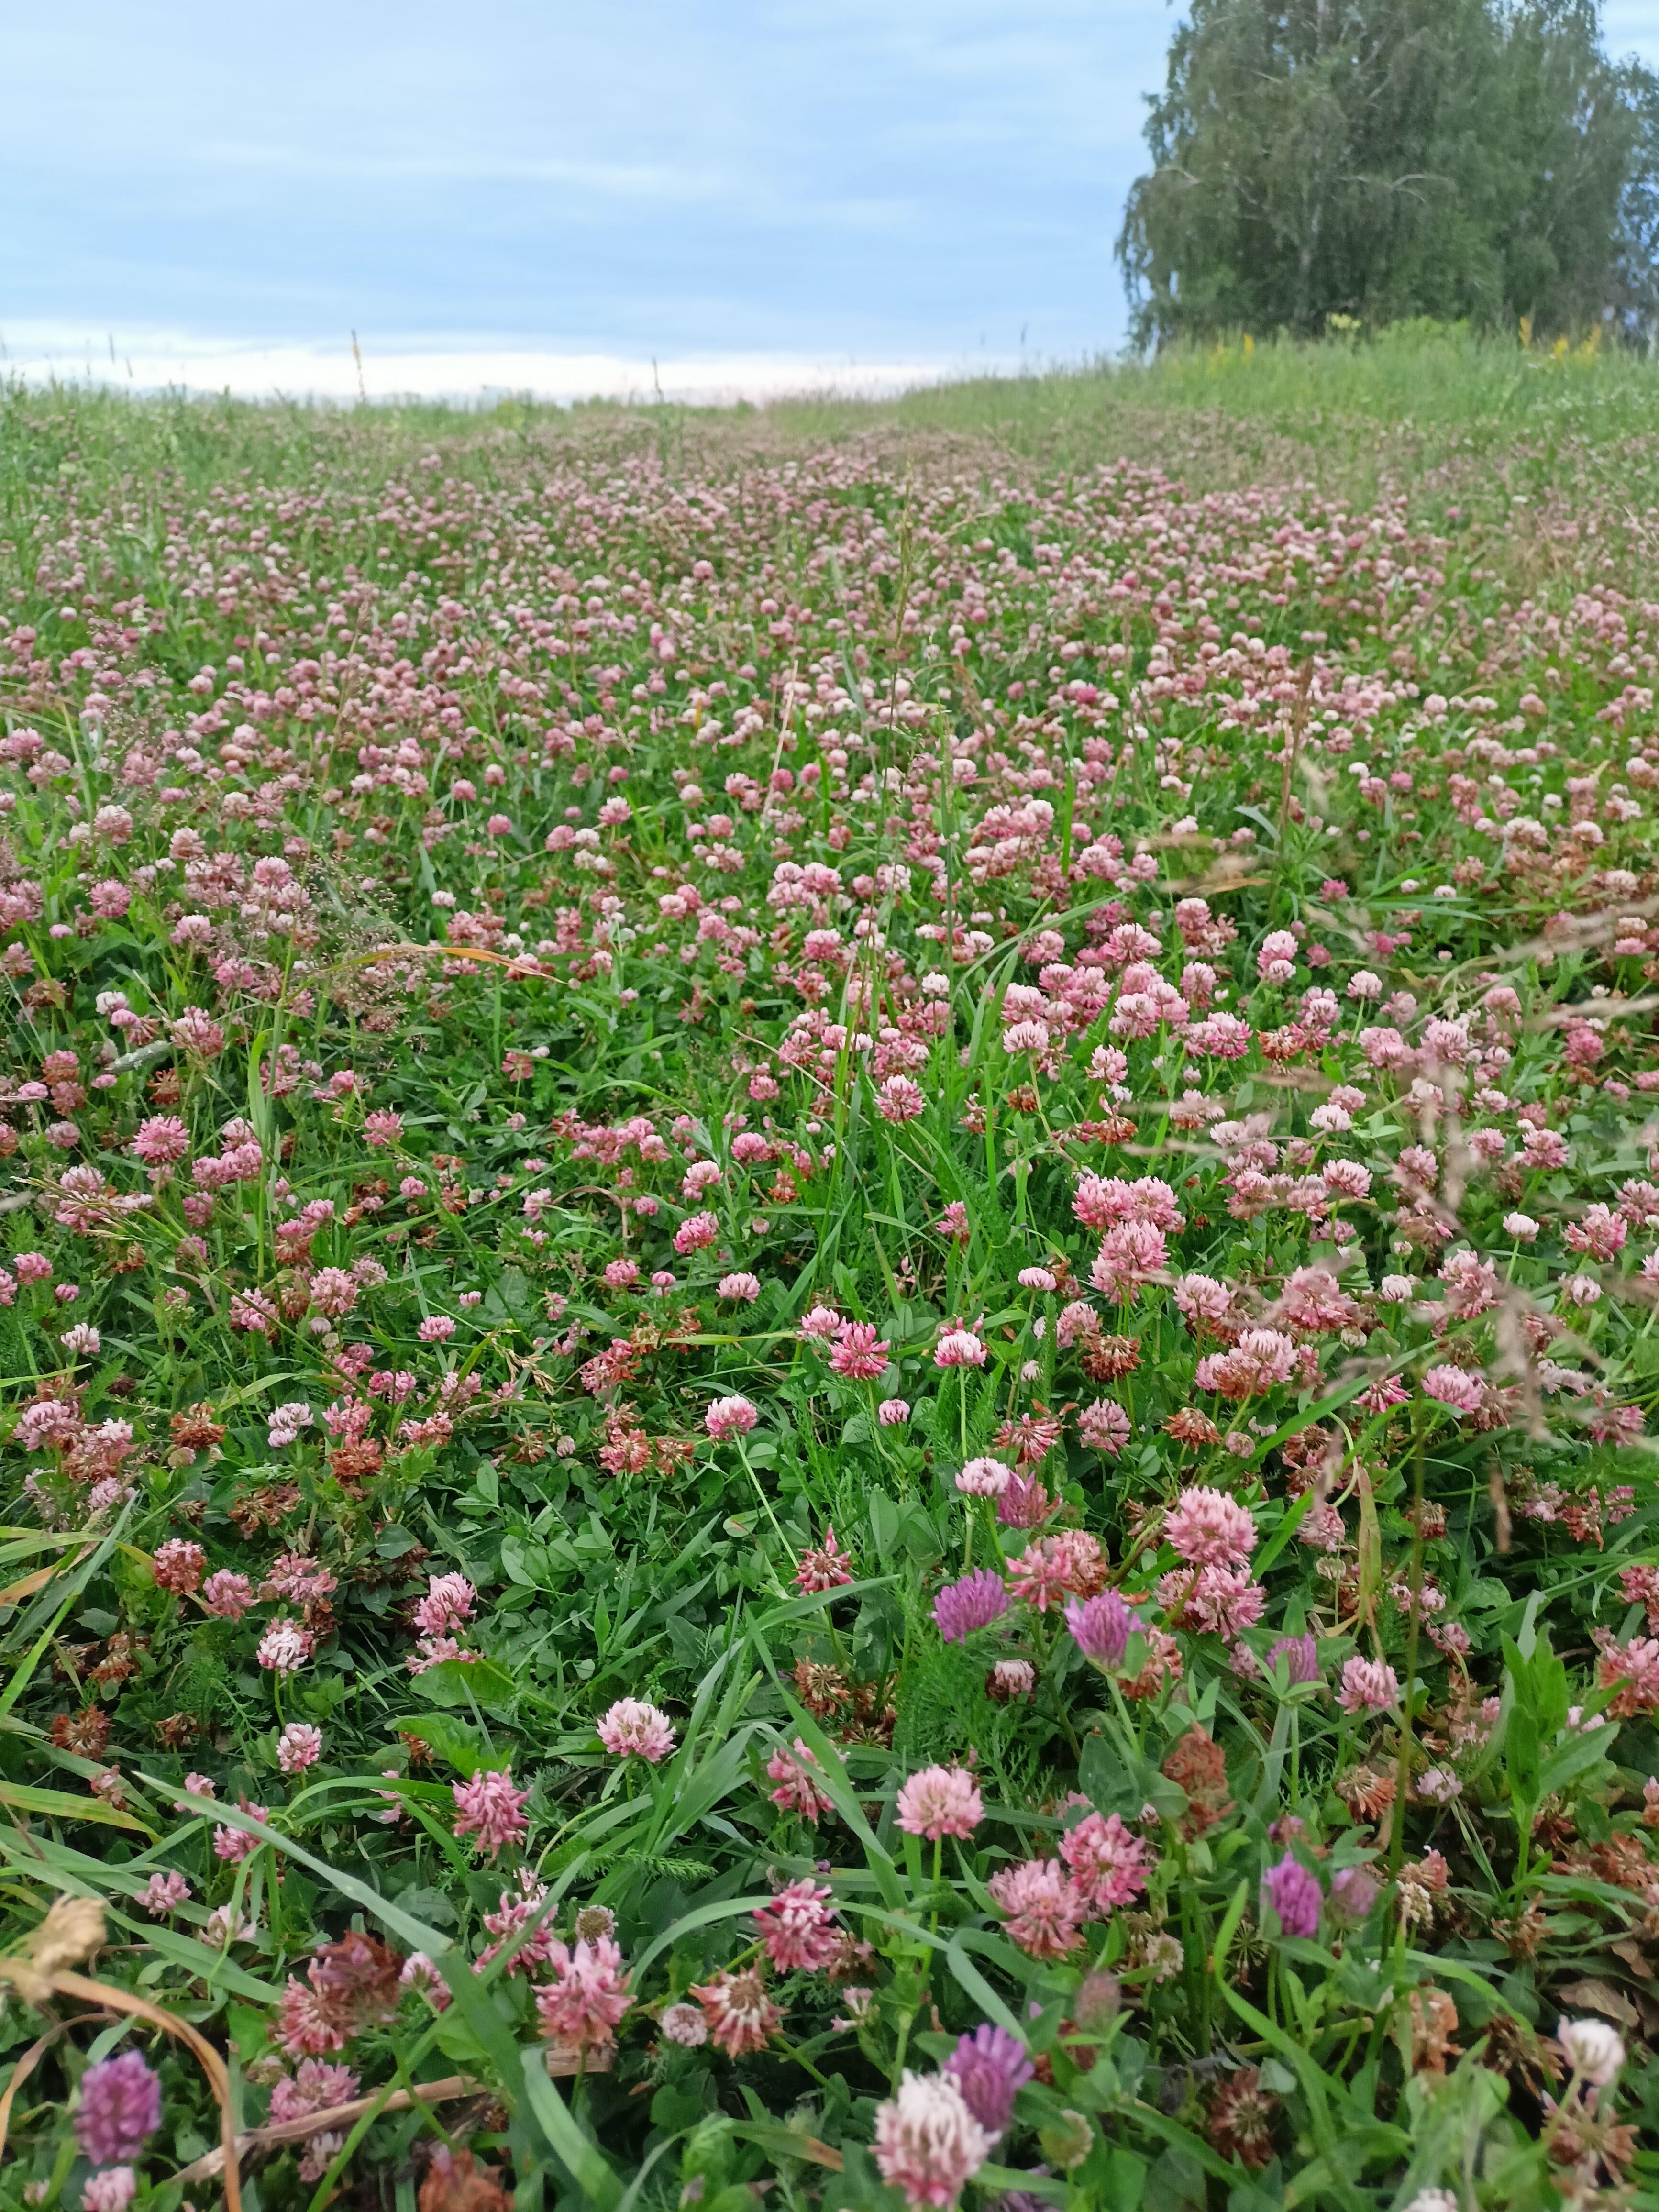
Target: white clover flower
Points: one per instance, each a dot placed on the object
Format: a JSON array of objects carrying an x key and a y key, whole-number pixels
[{"x": 1594, "y": 2051}]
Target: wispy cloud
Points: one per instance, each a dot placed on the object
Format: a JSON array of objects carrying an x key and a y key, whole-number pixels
[
  {"x": 151, "y": 360},
  {"x": 631, "y": 181},
  {"x": 899, "y": 179}
]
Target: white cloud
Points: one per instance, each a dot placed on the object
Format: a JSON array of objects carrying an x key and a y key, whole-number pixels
[
  {"x": 628, "y": 179},
  {"x": 901, "y": 177},
  {"x": 155, "y": 360}
]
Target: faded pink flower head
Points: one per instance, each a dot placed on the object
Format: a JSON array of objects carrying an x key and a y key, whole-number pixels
[
  {"x": 235, "y": 1844},
  {"x": 1594, "y": 2051},
  {"x": 111, "y": 2190},
  {"x": 1108, "y": 1862},
  {"x": 633, "y": 1728},
  {"x": 160, "y": 1141},
  {"x": 449, "y": 1601},
  {"x": 1045, "y": 1908},
  {"x": 984, "y": 1478},
  {"x": 928, "y": 2144},
  {"x": 1260, "y": 1360},
  {"x": 226, "y": 1594},
  {"x": 180, "y": 1565},
  {"x": 697, "y": 1234},
  {"x": 858, "y": 1354},
  {"x": 285, "y": 1646},
  {"x": 315, "y": 2086},
  {"x": 1010, "y": 1678},
  {"x": 797, "y": 1928},
  {"x": 899, "y": 1098},
  {"x": 196, "y": 1031},
  {"x": 419, "y": 1973},
  {"x": 334, "y": 1291},
  {"x": 1207, "y": 1528},
  {"x": 490, "y": 1809},
  {"x": 587, "y": 2001},
  {"x": 1369, "y": 1685},
  {"x": 824, "y": 1567},
  {"x": 300, "y": 1746},
  {"x": 1224, "y": 1600},
  {"x": 1454, "y": 1387},
  {"x": 730, "y": 1417},
  {"x": 739, "y": 2014},
  {"x": 684, "y": 2024},
  {"x": 797, "y": 1792},
  {"x": 1105, "y": 1426},
  {"x": 938, "y": 1802}
]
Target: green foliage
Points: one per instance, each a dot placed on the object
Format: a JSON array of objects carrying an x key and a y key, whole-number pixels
[
  {"x": 1089, "y": 636},
  {"x": 1377, "y": 160}
]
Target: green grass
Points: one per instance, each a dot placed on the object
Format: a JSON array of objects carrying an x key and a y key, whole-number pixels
[
  {"x": 1446, "y": 384},
  {"x": 1440, "y": 385},
  {"x": 1420, "y": 394},
  {"x": 265, "y": 716}
]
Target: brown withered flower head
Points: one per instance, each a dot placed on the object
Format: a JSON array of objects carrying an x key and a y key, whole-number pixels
[
  {"x": 1366, "y": 1794},
  {"x": 356, "y": 1981},
  {"x": 851, "y": 1959},
  {"x": 1190, "y": 1426},
  {"x": 120, "y": 1660},
  {"x": 1585, "y": 2136},
  {"x": 350, "y": 1461},
  {"x": 1434, "y": 2023},
  {"x": 1308, "y": 1447},
  {"x": 872, "y": 1719},
  {"x": 262, "y": 1508},
  {"x": 197, "y": 1430},
  {"x": 821, "y": 1689},
  {"x": 1518, "y": 2050},
  {"x": 454, "y": 2183},
  {"x": 1108, "y": 1358},
  {"x": 85, "y": 1733},
  {"x": 1198, "y": 1766},
  {"x": 1240, "y": 2124},
  {"x": 1521, "y": 1933}
]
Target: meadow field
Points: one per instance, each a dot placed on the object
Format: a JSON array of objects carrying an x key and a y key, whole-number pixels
[{"x": 828, "y": 1243}]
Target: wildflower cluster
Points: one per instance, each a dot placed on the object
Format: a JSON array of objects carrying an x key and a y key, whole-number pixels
[{"x": 830, "y": 1293}]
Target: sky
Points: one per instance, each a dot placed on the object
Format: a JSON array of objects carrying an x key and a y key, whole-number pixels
[{"x": 715, "y": 197}]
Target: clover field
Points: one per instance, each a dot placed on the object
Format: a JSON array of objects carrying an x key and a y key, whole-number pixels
[{"x": 828, "y": 1270}]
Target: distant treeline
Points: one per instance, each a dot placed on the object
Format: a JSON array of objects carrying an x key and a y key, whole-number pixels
[{"x": 1386, "y": 159}]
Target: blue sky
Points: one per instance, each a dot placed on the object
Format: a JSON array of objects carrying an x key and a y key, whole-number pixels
[{"x": 749, "y": 190}]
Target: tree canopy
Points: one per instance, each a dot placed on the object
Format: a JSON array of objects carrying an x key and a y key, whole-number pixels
[{"x": 1384, "y": 159}]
